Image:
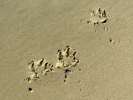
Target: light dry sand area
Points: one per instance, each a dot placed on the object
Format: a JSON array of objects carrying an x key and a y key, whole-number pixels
[{"x": 36, "y": 29}]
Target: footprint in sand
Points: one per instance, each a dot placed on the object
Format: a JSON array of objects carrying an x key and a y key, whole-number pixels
[
  {"x": 98, "y": 16},
  {"x": 65, "y": 60}
]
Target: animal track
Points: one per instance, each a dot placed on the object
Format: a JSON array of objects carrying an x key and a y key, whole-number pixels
[
  {"x": 36, "y": 68},
  {"x": 98, "y": 16},
  {"x": 66, "y": 59}
]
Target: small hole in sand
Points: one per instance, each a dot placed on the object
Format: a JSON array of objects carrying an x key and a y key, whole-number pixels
[
  {"x": 79, "y": 69},
  {"x": 87, "y": 22},
  {"x": 110, "y": 40},
  {"x": 30, "y": 89},
  {"x": 80, "y": 89}
]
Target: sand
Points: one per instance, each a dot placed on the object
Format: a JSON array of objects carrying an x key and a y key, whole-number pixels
[{"x": 38, "y": 28}]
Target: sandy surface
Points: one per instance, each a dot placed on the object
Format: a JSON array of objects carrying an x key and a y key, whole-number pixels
[{"x": 37, "y": 28}]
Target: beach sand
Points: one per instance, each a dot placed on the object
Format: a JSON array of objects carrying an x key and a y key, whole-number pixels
[{"x": 38, "y": 28}]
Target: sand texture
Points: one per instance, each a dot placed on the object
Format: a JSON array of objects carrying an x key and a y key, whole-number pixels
[{"x": 66, "y": 49}]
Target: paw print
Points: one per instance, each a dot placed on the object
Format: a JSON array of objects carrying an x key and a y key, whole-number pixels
[
  {"x": 98, "y": 16},
  {"x": 37, "y": 68},
  {"x": 66, "y": 58}
]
